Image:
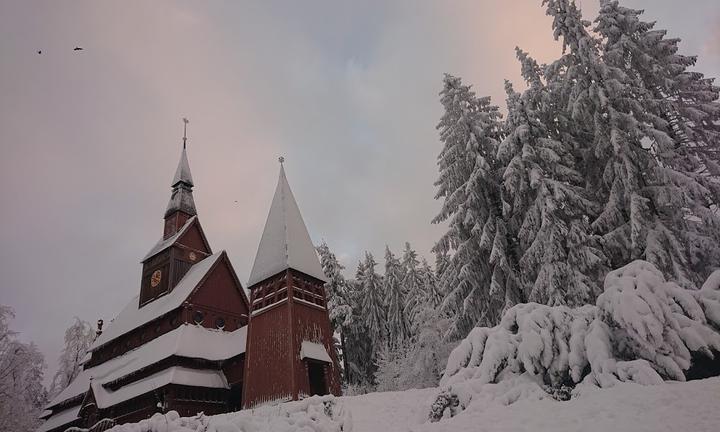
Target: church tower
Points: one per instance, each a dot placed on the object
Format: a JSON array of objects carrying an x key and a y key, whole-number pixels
[
  {"x": 290, "y": 343},
  {"x": 183, "y": 242}
]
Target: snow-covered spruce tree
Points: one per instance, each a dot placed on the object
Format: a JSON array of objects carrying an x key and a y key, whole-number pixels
[
  {"x": 22, "y": 394},
  {"x": 433, "y": 296},
  {"x": 478, "y": 279},
  {"x": 642, "y": 207},
  {"x": 336, "y": 287},
  {"x": 373, "y": 304},
  {"x": 442, "y": 260},
  {"x": 397, "y": 323},
  {"x": 359, "y": 367},
  {"x": 686, "y": 100},
  {"x": 643, "y": 329},
  {"x": 546, "y": 206},
  {"x": 686, "y": 107},
  {"x": 412, "y": 285},
  {"x": 339, "y": 307},
  {"x": 78, "y": 338}
]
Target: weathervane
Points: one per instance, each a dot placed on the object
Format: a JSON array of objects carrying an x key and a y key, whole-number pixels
[
  {"x": 185, "y": 121},
  {"x": 281, "y": 160}
]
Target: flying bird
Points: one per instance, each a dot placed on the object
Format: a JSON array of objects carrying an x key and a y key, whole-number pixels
[
  {"x": 39, "y": 51},
  {"x": 77, "y": 49}
]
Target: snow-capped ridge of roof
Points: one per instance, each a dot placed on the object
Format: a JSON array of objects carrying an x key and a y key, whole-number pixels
[{"x": 285, "y": 242}]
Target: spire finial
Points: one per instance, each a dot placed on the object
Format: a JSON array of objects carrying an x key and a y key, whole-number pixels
[
  {"x": 281, "y": 159},
  {"x": 185, "y": 123}
]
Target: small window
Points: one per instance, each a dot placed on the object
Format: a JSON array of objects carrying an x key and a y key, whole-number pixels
[
  {"x": 198, "y": 317},
  {"x": 220, "y": 323}
]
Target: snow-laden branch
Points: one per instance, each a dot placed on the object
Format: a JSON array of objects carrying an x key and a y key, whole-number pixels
[{"x": 642, "y": 329}]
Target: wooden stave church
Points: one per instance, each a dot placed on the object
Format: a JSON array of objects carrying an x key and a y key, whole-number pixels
[{"x": 192, "y": 341}]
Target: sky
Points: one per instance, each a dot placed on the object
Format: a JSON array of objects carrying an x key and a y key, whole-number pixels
[{"x": 346, "y": 91}]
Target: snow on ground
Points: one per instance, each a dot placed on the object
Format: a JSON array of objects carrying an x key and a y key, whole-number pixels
[
  {"x": 628, "y": 407},
  {"x": 671, "y": 406}
]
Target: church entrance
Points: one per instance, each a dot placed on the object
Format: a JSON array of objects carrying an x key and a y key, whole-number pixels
[
  {"x": 316, "y": 376},
  {"x": 235, "y": 397}
]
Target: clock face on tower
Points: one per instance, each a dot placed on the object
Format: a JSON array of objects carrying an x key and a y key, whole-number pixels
[{"x": 155, "y": 278}]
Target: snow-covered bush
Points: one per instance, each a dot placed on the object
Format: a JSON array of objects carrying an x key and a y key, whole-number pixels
[
  {"x": 318, "y": 414},
  {"x": 642, "y": 329}
]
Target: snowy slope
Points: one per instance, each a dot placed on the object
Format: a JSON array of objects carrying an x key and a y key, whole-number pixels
[{"x": 671, "y": 406}]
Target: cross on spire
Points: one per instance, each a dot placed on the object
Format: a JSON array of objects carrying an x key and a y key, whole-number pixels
[
  {"x": 185, "y": 123},
  {"x": 281, "y": 159}
]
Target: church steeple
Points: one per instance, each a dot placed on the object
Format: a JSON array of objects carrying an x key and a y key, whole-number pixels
[
  {"x": 285, "y": 241},
  {"x": 289, "y": 350},
  {"x": 182, "y": 205}
]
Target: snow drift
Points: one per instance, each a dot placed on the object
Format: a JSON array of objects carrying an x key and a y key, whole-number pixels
[
  {"x": 643, "y": 329},
  {"x": 318, "y": 413}
]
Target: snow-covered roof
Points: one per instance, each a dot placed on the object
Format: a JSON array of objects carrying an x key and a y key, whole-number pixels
[
  {"x": 285, "y": 241},
  {"x": 173, "y": 375},
  {"x": 133, "y": 316},
  {"x": 315, "y": 351},
  {"x": 182, "y": 173},
  {"x": 163, "y": 244},
  {"x": 77, "y": 387},
  {"x": 60, "y": 419},
  {"x": 188, "y": 340}
]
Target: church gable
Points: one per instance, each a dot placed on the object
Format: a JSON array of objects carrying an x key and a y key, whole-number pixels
[
  {"x": 194, "y": 238},
  {"x": 219, "y": 301},
  {"x": 169, "y": 261}
]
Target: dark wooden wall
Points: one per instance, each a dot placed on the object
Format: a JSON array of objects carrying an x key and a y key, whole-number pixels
[{"x": 279, "y": 323}]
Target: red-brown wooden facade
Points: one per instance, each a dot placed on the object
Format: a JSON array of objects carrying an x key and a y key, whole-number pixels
[{"x": 287, "y": 309}]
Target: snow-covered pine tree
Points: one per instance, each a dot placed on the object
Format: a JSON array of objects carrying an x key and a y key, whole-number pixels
[
  {"x": 433, "y": 296},
  {"x": 397, "y": 323},
  {"x": 78, "y": 338},
  {"x": 373, "y": 302},
  {"x": 412, "y": 285},
  {"x": 477, "y": 277},
  {"x": 442, "y": 260},
  {"x": 545, "y": 203},
  {"x": 336, "y": 287},
  {"x": 339, "y": 307},
  {"x": 686, "y": 100},
  {"x": 685, "y": 106},
  {"x": 359, "y": 366},
  {"x": 642, "y": 208}
]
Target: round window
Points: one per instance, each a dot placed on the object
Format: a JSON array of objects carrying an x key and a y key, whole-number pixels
[
  {"x": 220, "y": 323},
  {"x": 198, "y": 317}
]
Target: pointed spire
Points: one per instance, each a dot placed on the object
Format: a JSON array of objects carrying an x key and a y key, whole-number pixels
[
  {"x": 182, "y": 184},
  {"x": 182, "y": 173},
  {"x": 285, "y": 241}
]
